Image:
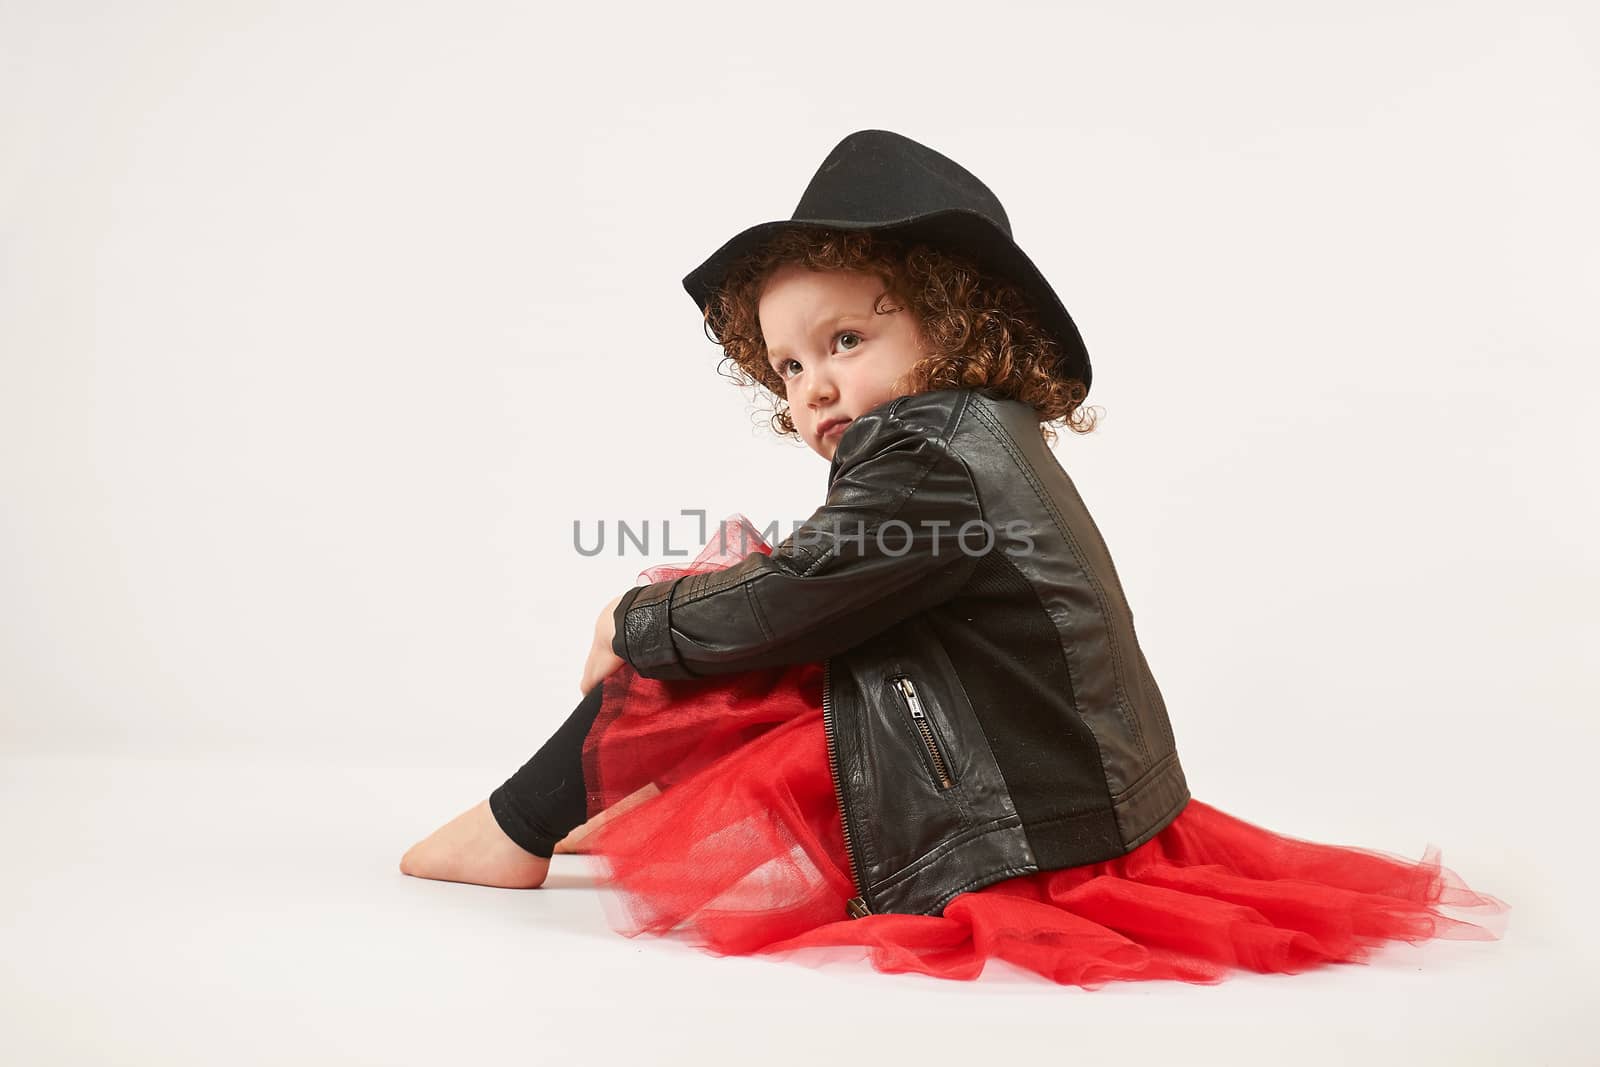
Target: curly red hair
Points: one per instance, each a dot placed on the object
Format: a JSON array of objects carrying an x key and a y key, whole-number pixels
[{"x": 980, "y": 330}]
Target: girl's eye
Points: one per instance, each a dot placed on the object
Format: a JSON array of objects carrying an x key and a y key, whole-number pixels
[{"x": 784, "y": 363}]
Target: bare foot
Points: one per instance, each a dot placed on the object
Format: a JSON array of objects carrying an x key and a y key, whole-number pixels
[
  {"x": 472, "y": 848},
  {"x": 574, "y": 842}
]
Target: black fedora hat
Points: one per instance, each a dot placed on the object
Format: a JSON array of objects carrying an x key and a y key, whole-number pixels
[{"x": 887, "y": 183}]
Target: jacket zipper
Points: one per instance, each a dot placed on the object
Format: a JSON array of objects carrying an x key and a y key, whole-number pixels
[
  {"x": 857, "y": 907},
  {"x": 919, "y": 718}
]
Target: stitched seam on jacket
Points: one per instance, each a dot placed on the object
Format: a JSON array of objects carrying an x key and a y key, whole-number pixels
[
  {"x": 1145, "y": 780},
  {"x": 1160, "y": 822},
  {"x": 1118, "y": 800},
  {"x": 671, "y": 644},
  {"x": 987, "y": 879},
  {"x": 1103, "y": 812},
  {"x": 991, "y": 877},
  {"x": 1005, "y": 822},
  {"x": 1128, "y": 720},
  {"x": 755, "y": 610}
]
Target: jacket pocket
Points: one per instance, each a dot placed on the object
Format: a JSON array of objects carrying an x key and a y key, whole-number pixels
[{"x": 923, "y": 723}]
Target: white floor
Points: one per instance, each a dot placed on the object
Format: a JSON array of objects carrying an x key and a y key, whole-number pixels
[{"x": 215, "y": 911}]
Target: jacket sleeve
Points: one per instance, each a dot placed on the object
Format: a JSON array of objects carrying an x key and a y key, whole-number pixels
[{"x": 886, "y": 544}]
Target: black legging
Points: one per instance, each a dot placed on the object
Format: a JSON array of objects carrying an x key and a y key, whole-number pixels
[{"x": 546, "y": 800}]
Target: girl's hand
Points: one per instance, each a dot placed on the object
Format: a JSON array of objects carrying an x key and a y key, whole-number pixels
[{"x": 602, "y": 661}]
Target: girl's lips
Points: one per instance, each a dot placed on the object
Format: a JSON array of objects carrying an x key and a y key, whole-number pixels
[{"x": 835, "y": 427}]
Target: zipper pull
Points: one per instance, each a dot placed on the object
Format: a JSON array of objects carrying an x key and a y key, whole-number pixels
[
  {"x": 856, "y": 908},
  {"x": 910, "y": 693},
  {"x": 911, "y": 696}
]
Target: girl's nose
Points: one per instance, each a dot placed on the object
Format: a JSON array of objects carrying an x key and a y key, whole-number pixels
[{"x": 819, "y": 387}]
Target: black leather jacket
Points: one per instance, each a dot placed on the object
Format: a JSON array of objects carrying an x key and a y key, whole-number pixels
[{"x": 988, "y": 710}]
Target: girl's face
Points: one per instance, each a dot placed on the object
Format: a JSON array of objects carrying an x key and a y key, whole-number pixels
[{"x": 837, "y": 358}]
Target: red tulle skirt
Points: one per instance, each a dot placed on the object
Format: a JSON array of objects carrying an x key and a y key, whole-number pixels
[{"x": 713, "y": 813}]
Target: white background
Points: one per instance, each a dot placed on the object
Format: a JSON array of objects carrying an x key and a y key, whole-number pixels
[{"x": 321, "y": 324}]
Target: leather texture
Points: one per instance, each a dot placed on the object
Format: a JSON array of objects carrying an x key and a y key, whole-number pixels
[{"x": 991, "y": 712}]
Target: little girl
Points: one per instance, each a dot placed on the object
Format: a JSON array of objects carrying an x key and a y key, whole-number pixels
[{"x": 939, "y": 745}]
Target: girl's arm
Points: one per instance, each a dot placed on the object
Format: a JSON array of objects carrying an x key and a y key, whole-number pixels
[{"x": 884, "y": 546}]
